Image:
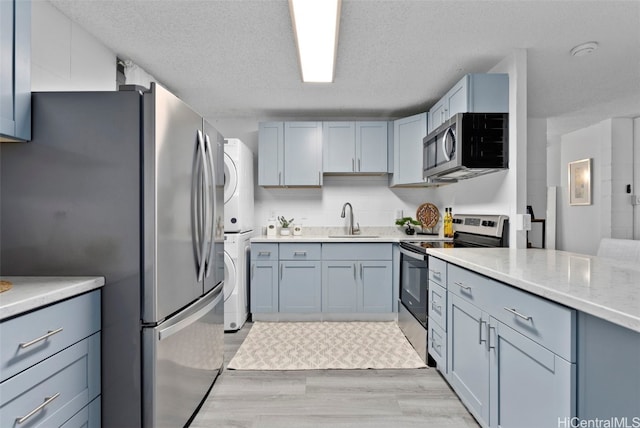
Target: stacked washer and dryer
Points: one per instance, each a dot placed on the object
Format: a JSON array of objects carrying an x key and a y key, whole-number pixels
[{"x": 238, "y": 229}]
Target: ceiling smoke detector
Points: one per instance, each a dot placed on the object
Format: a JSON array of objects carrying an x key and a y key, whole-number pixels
[{"x": 584, "y": 49}]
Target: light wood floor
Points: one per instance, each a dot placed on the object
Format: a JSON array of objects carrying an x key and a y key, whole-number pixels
[{"x": 335, "y": 398}]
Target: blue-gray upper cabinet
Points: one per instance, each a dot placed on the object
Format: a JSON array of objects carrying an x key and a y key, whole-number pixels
[
  {"x": 15, "y": 70},
  {"x": 408, "y": 133},
  {"x": 478, "y": 92},
  {"x": 270, "y": 153},
  {"x": 354, "y": 147},
  {"x": 290, "y": 154}
]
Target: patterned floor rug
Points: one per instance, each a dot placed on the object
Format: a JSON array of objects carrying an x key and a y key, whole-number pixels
[{"x": 325, "y": 345}]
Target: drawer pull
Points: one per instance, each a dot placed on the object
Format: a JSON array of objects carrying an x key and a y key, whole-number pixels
[
  {"x": 299, "y": 253},
  {"x": 264, "y": 253},
  {"x": 40, "y": 339},
  {"x": 436, "y": 307},
  {"x": 518, "y": 314},
  {"x": 461, "y": 285},
  {"x": 435, "y": 272},
  {"x": 47, "y": 401}
]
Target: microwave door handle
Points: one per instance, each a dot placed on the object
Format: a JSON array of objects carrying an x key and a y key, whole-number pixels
[{"x": 445, "y": 152}]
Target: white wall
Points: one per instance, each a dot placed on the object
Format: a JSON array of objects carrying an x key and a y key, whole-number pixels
[
  {"x": 375, "y": 204},
  {"x": 65, "y": 57},
  {"x": 504, "y": 192},
  {"x": 610, "y": 146}
]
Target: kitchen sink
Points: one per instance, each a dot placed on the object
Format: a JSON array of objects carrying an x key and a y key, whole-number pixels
[{"x": 353, "y": 236}]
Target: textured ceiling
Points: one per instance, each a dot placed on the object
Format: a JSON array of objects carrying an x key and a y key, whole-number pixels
[{"x": 237, "y": 58}]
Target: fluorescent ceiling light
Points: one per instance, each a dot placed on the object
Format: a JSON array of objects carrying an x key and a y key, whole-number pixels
[{"x": 315, "y": 24}]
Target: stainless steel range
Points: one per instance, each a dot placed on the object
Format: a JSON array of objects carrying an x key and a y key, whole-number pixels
[{"x": 481, "y": 231}]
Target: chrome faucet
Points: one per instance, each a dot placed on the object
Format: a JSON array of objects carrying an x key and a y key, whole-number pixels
[{"x": 352, "y": 230}]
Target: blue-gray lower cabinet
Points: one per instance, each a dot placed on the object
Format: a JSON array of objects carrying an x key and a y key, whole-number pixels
[
  {"x": 340, "y": 288},
  {"x": 52, "y": 373},
  {"x": 300, "y": 286},
  {"x": 511, "y": 356},
  {"x": 264, "y": 286},
  {"x": 375, "y": 286},
  {"x": 530, "y": 385},
  {"x": 357, "y": 286},
  {"x": 468, "y": 359}
]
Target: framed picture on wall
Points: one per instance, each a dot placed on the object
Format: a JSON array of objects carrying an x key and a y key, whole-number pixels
[{"x": 580, "y": 182}]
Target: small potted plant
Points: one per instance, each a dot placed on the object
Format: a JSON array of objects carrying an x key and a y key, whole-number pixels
[
  {"x": 408, "y": 222},
  {"x": 284, "y": 225}
]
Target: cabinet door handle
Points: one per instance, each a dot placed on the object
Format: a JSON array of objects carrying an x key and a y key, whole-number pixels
[
  {"x": 353, "y": 165},
  {"x": 489, "y": 337},
  {"x": 354, "y": 272},
  {"x": 40, "y": 339},
  {"x": 279, "y": 178},
  {"x": 461, "y": 285},
  {"x": 299, "y": 253},
  {"x": 361, "y": 272},
  {"x": 518, "y": 314},
  {"x": 359, "y": 165},
  {"x": 281, "y": 271},
  {"x": 253, "y": 270},
  {"x": 47, "y": 401},
  {"x": 480, "y": 340}
]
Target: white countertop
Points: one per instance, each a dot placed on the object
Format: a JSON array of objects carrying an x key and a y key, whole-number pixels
[
  {"x": 605, "y": 288},
  {"x": 32, "y": 292},
  {"x": 368, "y": 234}
]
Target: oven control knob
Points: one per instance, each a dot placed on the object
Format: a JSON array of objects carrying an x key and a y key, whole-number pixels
[
  {"x": 457, "y": 220},
  {"x": 488, "y": 223}
]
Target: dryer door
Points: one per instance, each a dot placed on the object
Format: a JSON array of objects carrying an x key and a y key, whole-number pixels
[
  {"x": 230, "y": 276},
  {"x": 230, "y": 178}
]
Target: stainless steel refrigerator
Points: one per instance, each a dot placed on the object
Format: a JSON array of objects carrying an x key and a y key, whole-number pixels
[{"x": 127, "y": 185}]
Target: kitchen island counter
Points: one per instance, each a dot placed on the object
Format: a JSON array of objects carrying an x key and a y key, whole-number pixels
[
  {"x": 28, "y": 292},
  {"x": 605, "y": 288}
]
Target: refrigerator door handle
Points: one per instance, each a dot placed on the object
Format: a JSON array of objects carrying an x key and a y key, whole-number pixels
[
  {"x": 202, "y": 209},
  {"x": 212, "y": 205},
  {"x": 185, "y": 322},
  {"x": 196, "y": 218}
]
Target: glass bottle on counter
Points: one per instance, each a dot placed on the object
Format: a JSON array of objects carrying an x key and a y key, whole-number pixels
[{"x": 448, "y": 223}]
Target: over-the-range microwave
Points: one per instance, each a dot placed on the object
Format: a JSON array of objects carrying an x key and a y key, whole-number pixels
[{"x": 467, "y": 145}]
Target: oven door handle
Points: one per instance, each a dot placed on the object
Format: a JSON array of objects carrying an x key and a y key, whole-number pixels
[{"x": 413, "y": 254}]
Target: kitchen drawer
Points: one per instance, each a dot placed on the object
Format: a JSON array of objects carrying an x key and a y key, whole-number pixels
[
  {"x": 301, "y": 251},
  {"x": 72, "y": 319},
  {"x": 364, "y": 251},
  {"x": 437, "y": 346},
  {"x": 88, "y": 417},
  {"x": 264, "y": 251},
  {"x": 438, "y": 271},
  {"x": 437, "y": 305},
  {"x": 72, "y": 376},
  {"x": 470, "y": 286},
  {"x": 545, "y": 322}
]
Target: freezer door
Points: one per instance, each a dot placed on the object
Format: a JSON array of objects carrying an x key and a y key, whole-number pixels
[
  {"x": 173, "y": 160},
  {"x": 181, "y": 359},
  {"x": 214, "y": 273}
]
